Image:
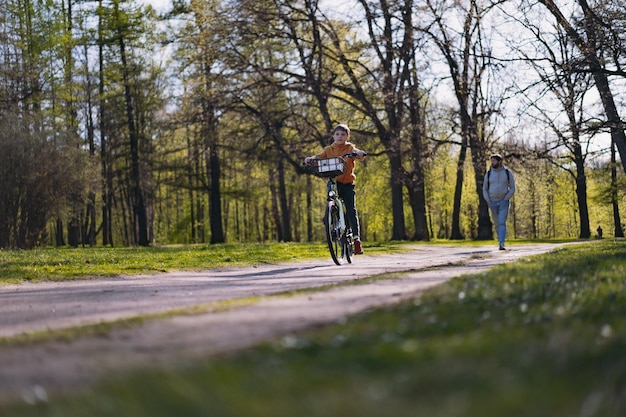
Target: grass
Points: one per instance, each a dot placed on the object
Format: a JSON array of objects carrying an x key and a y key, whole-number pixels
[
  {"x": 53, "y": 264},
  {"x": 541, "y": 337}
]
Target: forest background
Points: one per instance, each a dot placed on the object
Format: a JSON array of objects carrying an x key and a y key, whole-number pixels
[{"x": 122, "y": 124}]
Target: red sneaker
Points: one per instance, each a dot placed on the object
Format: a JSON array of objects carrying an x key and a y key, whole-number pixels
[{"x": 358, "y": 250}]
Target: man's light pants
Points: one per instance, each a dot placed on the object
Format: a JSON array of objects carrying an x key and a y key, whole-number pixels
[{"x": 499, "y": 214}]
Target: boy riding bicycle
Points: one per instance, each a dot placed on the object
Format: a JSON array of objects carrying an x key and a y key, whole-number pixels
[{"x": 345, "y": 182}]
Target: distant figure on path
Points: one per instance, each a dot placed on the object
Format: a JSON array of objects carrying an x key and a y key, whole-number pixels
[
  {"x": 599, "y": 230},
  {"x": 498, "y": 188}
]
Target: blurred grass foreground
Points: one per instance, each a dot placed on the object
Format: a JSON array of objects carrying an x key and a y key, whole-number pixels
[{"x": 545, "y": 336}]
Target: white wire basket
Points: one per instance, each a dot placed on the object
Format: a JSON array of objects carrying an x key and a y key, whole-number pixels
[{"x": 329, "y": 167}]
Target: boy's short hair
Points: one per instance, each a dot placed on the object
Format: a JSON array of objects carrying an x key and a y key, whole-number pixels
[
  {"x": 343, "y": 127},
  {"x": 496, "y": 156}
]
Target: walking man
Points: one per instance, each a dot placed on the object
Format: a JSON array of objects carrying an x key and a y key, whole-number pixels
[{"x": 498, "y": 188}]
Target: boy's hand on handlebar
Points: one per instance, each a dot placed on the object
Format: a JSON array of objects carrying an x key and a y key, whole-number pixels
[{"x": 358, "y": 154}]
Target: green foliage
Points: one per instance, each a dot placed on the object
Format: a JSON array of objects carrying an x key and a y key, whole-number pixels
[
  {"x": 440, "y": 191},
  {"x": 372, "y": 198},
  {"x": 541, "y": 337},
  {"x": 544, "y": 205}
]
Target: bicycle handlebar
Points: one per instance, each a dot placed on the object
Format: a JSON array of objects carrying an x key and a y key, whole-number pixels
[
  {"x": 348, "y": 155},
  {"x": 353, "y": 155}
]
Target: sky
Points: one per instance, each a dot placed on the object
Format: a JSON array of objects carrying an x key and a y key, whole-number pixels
[{"x": 159, "y": 5}]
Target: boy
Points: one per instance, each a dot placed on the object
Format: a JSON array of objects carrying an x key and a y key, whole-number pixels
[{"x": 345, "y": 182}]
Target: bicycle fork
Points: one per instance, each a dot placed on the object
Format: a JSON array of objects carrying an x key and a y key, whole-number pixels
[{"x": 341, "y": 225}]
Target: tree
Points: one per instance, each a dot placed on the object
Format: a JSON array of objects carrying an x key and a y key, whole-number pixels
[
  {"x": 555, "y": 64},
  {"x": 336, "y": 73},
  {"x": 41, "y": 164},
  {"x": 394, "y": 78},
  {"x": 106, "y": 158},
  {"x": 617, "y": 222},
  {"x": 37, "y": 177},
  {"x": 140, "y": 214},
  {"x": 203, "y": 40},
  {"x": 610, "y": 194},
  {"x": 468, "y": 64},
  {"x": 129, "y": 100},
  {"x": 267, "y": 40},
  {"x": 588, "y": 46}
]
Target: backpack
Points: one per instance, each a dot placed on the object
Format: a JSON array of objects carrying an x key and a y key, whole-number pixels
[{"x": 508, "y": 176}]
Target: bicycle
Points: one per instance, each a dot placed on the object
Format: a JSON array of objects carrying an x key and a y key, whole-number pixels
[{"x": 338, "y": 232}]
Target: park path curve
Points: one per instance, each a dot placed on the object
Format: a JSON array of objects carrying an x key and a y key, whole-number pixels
[{"x": 33, "y": 371}]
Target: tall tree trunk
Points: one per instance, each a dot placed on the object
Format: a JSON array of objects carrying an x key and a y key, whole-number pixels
[
  {"x": 58, "y": 237},
  {"x": 70, "y": 126},
  {"x": 285, "y": 217},
  {"x": 137, "y": 199},
  {"x": 193, "y": 171},
  {"x": 211, "y": 150},
  {"x": 140, "y": 215},
  {"x": 617, "y": 127},
  {"x": 73, "y": 232},
  {"x": 455, "y": 232},
  {"x": 90, "y": 221},
  {"x": 215, "y": 196},
  {"x": 398, "y": 231},
  {"x": 617, "y": 222},
  {"x": 107, "y": 195},
  {"x": 199, "y": 222},
  {"x": 417, "y": 199},
  {"x": 479, "y": 160},
  {"x": 275, "y": 209},
  {"x": 91, "y": 216},
  {"x": 192, "y": 214},
  {"x": 416, "y": 187},
  {"x": 581, "y": 195},
  {"x": 309, "y": 209},
  {"x": 106, "y": 172}
]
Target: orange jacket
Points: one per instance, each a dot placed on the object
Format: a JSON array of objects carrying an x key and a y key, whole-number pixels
[{"x": 335, "y": 150}]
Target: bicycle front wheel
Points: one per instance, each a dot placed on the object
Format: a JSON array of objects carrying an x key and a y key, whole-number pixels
[{"x": 331, "y": 220}]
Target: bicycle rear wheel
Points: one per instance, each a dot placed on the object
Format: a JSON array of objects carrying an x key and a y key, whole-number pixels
[
  {"x": 331, "y": 220},
  {"x": 347, "y": 245}
]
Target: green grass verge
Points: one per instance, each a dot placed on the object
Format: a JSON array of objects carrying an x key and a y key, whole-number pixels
[
  {"x": 540, "y": 337},
  {"x": 52, "y": 264}
]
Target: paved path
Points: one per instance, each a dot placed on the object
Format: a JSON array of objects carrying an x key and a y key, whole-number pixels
[{"x": 35, "y": 370}]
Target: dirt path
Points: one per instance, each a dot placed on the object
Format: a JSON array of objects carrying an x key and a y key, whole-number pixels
[{"x": 34, "y": 371}]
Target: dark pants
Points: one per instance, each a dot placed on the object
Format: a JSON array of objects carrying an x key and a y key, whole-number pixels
[{"x": 348, "y": 195}]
